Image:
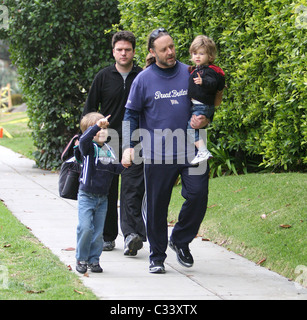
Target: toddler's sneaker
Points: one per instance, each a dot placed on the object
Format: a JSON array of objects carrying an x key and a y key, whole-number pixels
[{"x": 202, "y": 156}]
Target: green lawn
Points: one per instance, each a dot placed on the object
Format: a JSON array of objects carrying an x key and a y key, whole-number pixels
[
  {"x": 16, "y": 124},
  {"x": 259, "y": 216},
  {"x": 34, "y": 272}
]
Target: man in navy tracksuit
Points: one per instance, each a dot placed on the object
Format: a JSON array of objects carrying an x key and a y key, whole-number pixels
[{"x": 158, "y": 102}]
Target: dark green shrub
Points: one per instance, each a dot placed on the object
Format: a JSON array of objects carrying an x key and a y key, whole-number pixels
[
  {"x": 58, "y": 47},
  {"x": 262, "y": 49}
]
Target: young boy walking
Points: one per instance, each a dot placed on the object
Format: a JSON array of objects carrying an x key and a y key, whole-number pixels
[{"x": 95, "y": 181}]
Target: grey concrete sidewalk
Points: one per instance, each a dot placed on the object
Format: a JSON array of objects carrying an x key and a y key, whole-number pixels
[{"x": 32, "y": 195}]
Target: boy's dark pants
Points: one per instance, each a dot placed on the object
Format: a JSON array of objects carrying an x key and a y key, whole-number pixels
[{"x": 159, "y": 182}]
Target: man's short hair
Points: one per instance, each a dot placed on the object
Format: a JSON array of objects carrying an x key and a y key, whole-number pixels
[{"x": 124, "y": 35}]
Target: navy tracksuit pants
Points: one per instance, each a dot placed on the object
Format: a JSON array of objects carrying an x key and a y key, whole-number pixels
[{"x": 159, "y": 182}]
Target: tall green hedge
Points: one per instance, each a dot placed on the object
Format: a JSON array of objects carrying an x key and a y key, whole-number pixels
[
  {"x": 58, "y": 47},
  {"x": 262, "y": 49}
]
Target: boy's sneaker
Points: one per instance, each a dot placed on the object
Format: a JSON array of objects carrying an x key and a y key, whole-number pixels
[
  {"x": 95, "y": 267},
  {"x": 184, "y": 256},
  {"x": 202, "y": 156},
  {"x": 133, "y": 243},
  {"x": 157, "y": 267},
  {"x": 81, "y": 266},
  {"x": 108, "y": 245}
]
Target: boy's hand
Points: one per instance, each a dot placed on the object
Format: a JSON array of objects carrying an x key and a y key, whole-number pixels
[
  {"x": 103, "y": 123},
  {"x": 198, "y": 80}
]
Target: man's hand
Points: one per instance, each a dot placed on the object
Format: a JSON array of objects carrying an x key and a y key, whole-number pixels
[
  {"x": 199, "y": 122},
  {"x": 128, "y": 157}
]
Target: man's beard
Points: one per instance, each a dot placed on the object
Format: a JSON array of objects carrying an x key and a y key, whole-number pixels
[{"x": 165, "y": 63}]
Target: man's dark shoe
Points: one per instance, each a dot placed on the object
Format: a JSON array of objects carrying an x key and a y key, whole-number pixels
[
  {"x": 133, "y": 243},
  {"x": 81, "y": 266},
  {"x": 184, "y": 256},
  {"x": 109, "y": 245},
  {"x": 157, "y": 267},
  {"x": 95, "y": 267}
]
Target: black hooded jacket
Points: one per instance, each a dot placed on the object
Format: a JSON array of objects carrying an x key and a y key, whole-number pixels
[{"x": 213, "y": 81}]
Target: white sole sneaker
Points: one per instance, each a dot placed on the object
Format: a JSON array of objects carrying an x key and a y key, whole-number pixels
[{"x": 202, "y": 156}]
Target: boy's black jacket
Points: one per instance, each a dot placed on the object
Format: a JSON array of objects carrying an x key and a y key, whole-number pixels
[{"x": 99, "y": 164}]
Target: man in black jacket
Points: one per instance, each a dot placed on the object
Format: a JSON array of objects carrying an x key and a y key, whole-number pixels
[{"x": 108, "y": 95}]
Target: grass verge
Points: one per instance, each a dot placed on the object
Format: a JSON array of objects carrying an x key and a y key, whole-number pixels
[
  {"x": 34, "y": 273},
  {"x": 259, "y": 216}
]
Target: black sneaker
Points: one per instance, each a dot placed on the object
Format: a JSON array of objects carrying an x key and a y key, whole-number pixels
[
  {"x": 184, "y": 256},
  {"x": 133, "y": 243},
  {"x": 157, "y": 267},
  {"x": 109, "y": 245},
  {"x": 81, "y": 266},
  {"x": 95, "y": 267}
]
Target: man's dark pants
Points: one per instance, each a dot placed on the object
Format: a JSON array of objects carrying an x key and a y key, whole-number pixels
[
  {"x": 131, "y": 199},
  {"x": 159, "y": 182}
]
